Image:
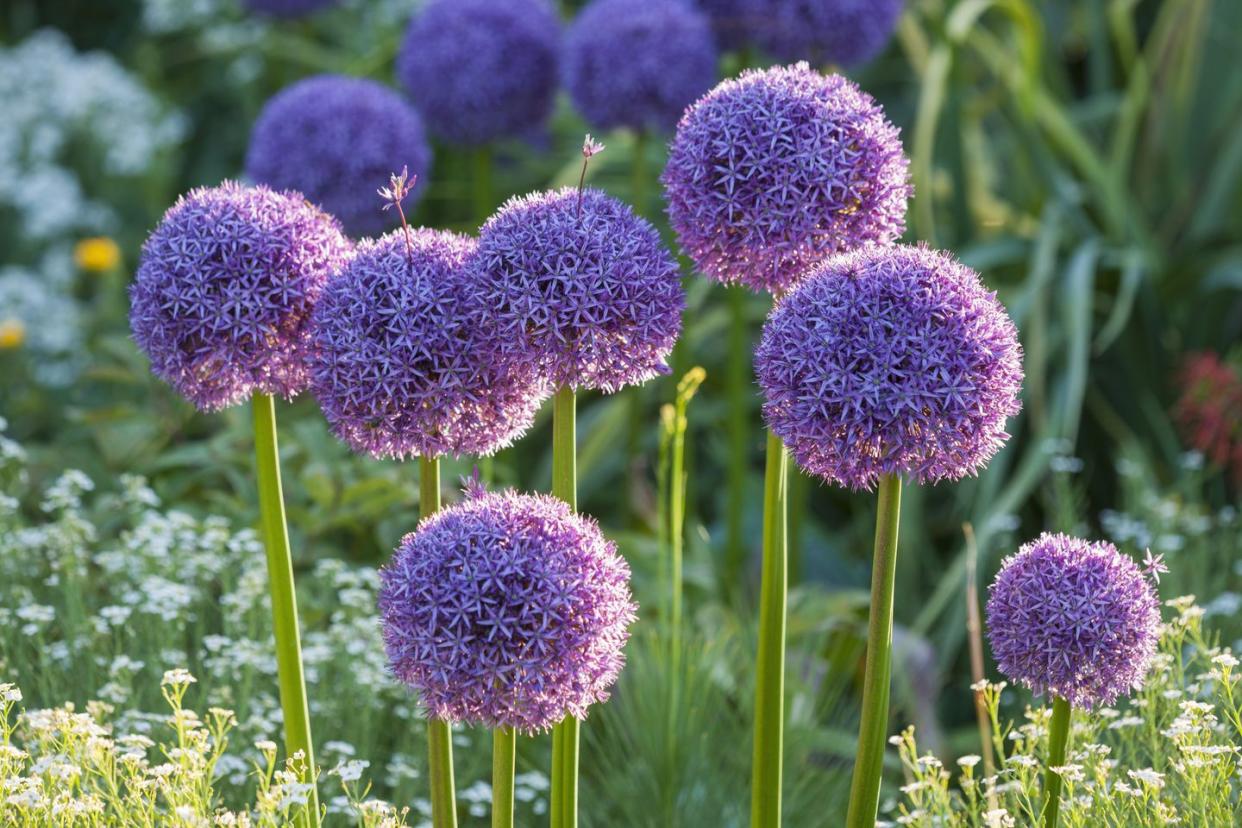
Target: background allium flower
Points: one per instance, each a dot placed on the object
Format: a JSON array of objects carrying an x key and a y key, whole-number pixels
[
  {"x": 841, "y": 32},
  {"x": 480, "y": 70},
  {"x": 638, "y": 63},
  {"x": 288, "y": 8},
  {"x": 580, "y": 284},
  {"x": 332, "y": 137},
  {"x": 1073, "y": 618},
  {"x": 734, "y": 21},
  {"x": 890, "y": 360},
  {"x": 1209, "y": 410},
  {"x": 774, "y": 170},
  {"x": 403, "y": 364},
  {"x": 508, "y": 610},
  {"x": 222, "y": 299}
]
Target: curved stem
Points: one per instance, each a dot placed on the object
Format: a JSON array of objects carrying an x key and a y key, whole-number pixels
[
  {"x": 439, "y": 732},
  {"x": 869, "y": 765},
  {"x": 765, "y": 790},
  {"x": 564, "y": 805},
  {"x": 293, "y": 704},
  {"x": 504, "y": 760},
  {"x": 1058, "y": 741}
]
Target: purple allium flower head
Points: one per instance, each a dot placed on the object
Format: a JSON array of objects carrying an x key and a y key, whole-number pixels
[
  {"x": 843, "y": 32},
  {"x": 331, "y": 137},
  {"x": 1073, "y": 618},
  {"x": 481, "y": 70},
  {"x": 890, "y": 360},
  {"x": 638, "y": 63},
  {"x": 403, "y": 362},
  {"x": 734, "y": 21},
  {"x": 222, "y": 300},
  {"x": 508, "y": 610},
  {"x": 772, "y": 171},
  {"x": 581, "y": 285},
  {"x": 288, "y": 8}
]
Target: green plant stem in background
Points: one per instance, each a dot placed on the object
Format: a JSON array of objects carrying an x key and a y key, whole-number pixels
[
  {"x": 872, "y": 733},
  {"x": 738, "y": 392},
  {"x": 1058, "y": 741},
  {"x": 439, "y": 733},
  {"x": 504, "y": 761},
  {"x": 481, "y": 182},
  {"x": 638, "y": 173},
  {"x": 293, "y": 704},
  {"x": 564, "y": 806},
  {"x": 765, "y": 789}
]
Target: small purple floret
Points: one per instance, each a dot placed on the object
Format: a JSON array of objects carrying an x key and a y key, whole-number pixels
[
  {"x": 508, "y": 610},
  {"x": 331, "y": 137},
  {"x": 482, "y": 70},
  {"x": 841, "y": 32},
  {"x": 638, "y": 63},
  {"x": 890, "y": 360},
  {"x": 579, "y": 284},
  {"x": 404, "y": 362},
  {"x": 222, "y": 299},
  {"x": 772, "y": 171},
  {"x": 1074, "y": 619}
]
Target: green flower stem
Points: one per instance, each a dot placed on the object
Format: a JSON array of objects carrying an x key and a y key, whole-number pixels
[
  {"x": 482, "y": 184},
  {"x": 1058, "y": 742},
  {"x": 872, "y": 734},
  {"x": 293, "y": 702},
  {"x": 564, "y": 806},
  {"x": 504, "y": 761},
  {"x": 737, "y": 385},
  {"x": 765, "y": 789},
  {"x": 439, "y": 733}
]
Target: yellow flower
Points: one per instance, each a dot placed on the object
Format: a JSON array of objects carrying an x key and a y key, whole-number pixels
[
  {"x": 12, "y": 334},
  {"x": 97, "y": 255}
]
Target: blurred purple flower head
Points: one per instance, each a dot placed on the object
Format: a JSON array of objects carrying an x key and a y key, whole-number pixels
[
  {"x": 404, "y": 364},
  {"x": 890, "y": 360},
  {"x": 638, "y": 63},
  {"x": 288, "y": 8},
  {"x": 508, "y": 610},
  {"x": 222, "y": 299},
  {"x": 1073, "y": 618},
  {"x": 482, "y": 70},
  {"x": 330, "y": 137},
  {"x": 734, "y": 21},
  {"x": 772, "y": 171},
  {"x": 589, "y": 292},
  {"x": 841, "y": 32}
]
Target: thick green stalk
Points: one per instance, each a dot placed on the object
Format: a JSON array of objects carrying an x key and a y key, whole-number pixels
[
  {"x": 504, "y": 761},
  {"x": 638, "y": 173},
  {"x": 564, "y": 807},
  {"x": 482, "y": 184},
  {"x": 737, "y": 387},
  {"x": 439, "y": 733},
  {"x": 765, "y": 789},
  {"x": 293, "y": 704},
  {"x": 1058, "y": 741},
  {"x": 872, "y": 734}
]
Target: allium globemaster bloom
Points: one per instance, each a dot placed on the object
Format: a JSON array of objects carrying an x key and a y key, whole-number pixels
[
  {"x": 638, "y": 63},
  {"x": 404, "y": 363},
  {"x": 842, "y": 32},
  {"x": 482, "y": 70},
  {"x": 327, "y": 136},
  {"x": 776, "y": 169},
  {"x": 222, "y": 299},
  {"x": 1074, "y": 618},
  {"x": 890, "y": 360},
  {"x": 581, "y": 286},
  {"x": 508, "y": 610}
]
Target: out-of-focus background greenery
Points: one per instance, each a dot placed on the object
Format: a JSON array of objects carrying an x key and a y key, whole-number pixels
[{"x": 1084, "y": 155}]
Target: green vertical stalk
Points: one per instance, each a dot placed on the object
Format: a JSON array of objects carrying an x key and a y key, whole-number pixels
[
  {"x": 736, "y": 385},
  {"x": 564, "y": 806},
  {"x": 1058, "y": 741},
  {"x": 765, "y": 788},
  {"x": 872, "y": 733},
  {"x": 439, "y": 733},
  {"x": 504, "y": 761},
  {"x": 293, "y": 704},
  {"x": 481, "y": 182},
  {"x": 638, "y": 173}
]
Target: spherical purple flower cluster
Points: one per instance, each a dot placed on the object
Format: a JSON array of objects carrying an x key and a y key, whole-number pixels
[
  {"x": 890, "y": 360},
  {"x": 508, "y": 610},
  {"x": 1073, "y": 618},
  {"x": 222, "y": 299},
  {"x": 843, "y": 32},
  {"x": 772, "y": 171},
  {"x": 582, "y": 286},
  {"x": 403, "y": 362},
  {"x": 335, "y": 139},
  {"x": 481, "y": 70},
  {"x": 288, "y": 8},
  {"x": 638, "y": 63}
]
